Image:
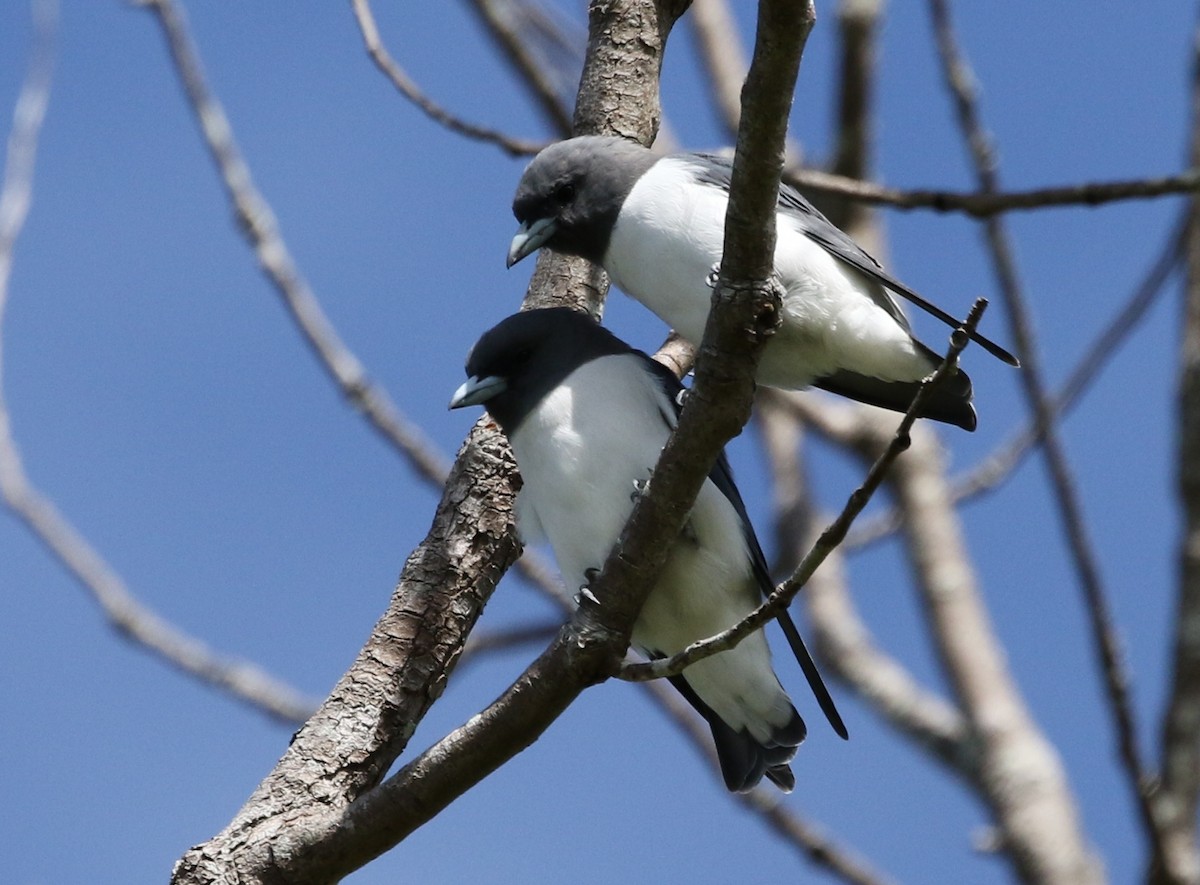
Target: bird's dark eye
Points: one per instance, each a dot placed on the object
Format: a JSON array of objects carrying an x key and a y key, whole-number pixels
[{"x": 564, "y": 193}]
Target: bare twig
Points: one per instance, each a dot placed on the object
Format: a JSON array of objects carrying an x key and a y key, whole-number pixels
[
  {"x": 997, "y": 467},
  {"x": 408, "y": 88},
  {"x": 983, "y": 204},
  {"x": 843, "y": 641},
  {"x": 960, "y": 84},
  {"x": 1175, "y": 803},
  {"x": 124, "y": 612},
  {"x": 502, "y": 19},
  {"x": 262, "y": 231},
  {"x": 722, "y": 57},
  {"x": 523, "y": 635},
  {"x": 829, "y": 540}
]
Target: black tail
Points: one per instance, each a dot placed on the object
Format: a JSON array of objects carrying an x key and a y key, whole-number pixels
[
  {"x": 744, "y": 761},
  {"x": 950, "y": 402},
  {"x": 815, "y": 682}
]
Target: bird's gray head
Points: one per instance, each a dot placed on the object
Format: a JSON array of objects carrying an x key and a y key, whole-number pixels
[
  {"x": 570, "y": 195},
  {"x": 523, "y": 357}
]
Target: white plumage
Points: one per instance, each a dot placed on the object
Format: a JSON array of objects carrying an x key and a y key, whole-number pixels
[
  {"x": 667, "y": 240},
  {"x": 580, "y": 465}
]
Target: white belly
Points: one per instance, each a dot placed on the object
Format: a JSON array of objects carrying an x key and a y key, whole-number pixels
[
  {"x": 663, "y": 259},
  {"x": 579, "y": 466}
]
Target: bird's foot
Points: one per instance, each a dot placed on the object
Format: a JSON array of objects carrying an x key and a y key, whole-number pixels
[
  {"x": 585, "y": 593},
  {"x": 714, "y": 276},
  {"x": 641, "y": 485}
]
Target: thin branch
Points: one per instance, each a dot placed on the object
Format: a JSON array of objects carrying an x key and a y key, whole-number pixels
[
  {"x": 814, "y": 845},
  {"x": 997, "y": 467},
  {"x": 722, "y": 57},
  {"x": 984, "y": 204},
  {"x": 503, "y": 26},
  {"x": 258, "y": 223},
  {"x": 843, "y": 642},
  {"x": 408, "y": 88},
  {"x": 960, "y": 83},
  {"x": 1175, "y": 803},
  {"x": 829, "y": 540},
  {"x": 480, "y": 643},
  {"x": 124, "y": 612}
]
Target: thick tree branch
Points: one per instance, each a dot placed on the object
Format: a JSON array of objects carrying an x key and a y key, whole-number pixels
[
  {"x": 960, "y": 83},
  {"x": 292, "y": 827},
  {"x": 332, "y": 767}
]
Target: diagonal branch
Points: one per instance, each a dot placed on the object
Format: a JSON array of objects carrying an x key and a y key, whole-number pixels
[
  {"x": 844, "y": 642},
  {"x": 829, "y": 539},
  {"x": 124, "y": 612},
  {"x": 408, "y": 88},
  {"x": 501, "y": 19},
  {"x": 959, "y": 82},
  {"x": 997, "y": 467},
  {"x": 1175, "y": 803}
]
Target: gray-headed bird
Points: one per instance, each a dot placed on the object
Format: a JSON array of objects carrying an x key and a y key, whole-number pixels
[{"x": 656, "y": 225}]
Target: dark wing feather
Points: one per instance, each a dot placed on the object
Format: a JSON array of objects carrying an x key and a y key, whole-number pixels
[
  {"x": 815, "y": 226},
  {"x": 722, "y": 477}
]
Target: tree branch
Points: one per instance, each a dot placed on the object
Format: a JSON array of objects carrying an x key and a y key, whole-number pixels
[
  {"x": 829, "y": 540},
  {"x": 127, "y": 615},
  {"x": 498, "y": 18},
  {"x": 984, "y": 204},
  {"x": 959, "y": 82},
  {"x": 1175, "y": 803},
  {"x": 409, "y": 89}
]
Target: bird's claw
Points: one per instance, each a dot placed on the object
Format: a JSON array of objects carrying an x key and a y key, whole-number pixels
[
  {"x": 585, "y": 592},
  {"x": 640, "y": 485},
  {"x": 714, "y": 276}
]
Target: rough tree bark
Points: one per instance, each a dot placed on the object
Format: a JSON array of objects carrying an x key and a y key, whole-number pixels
[{"x": 322, "y": 813}]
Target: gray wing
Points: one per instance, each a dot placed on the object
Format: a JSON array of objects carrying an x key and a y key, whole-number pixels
[{"x": 792, "y": 204}]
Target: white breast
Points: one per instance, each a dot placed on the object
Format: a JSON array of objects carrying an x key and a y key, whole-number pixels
[
  {"x": 670, "y": 235},
  {"x": 580, "y": 451}
]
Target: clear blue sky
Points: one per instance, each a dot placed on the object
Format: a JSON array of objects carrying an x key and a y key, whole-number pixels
[{"x": 162, "y": 398}]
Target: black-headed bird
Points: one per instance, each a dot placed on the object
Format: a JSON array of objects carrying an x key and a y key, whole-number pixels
[{"x": 587, "y": 417}]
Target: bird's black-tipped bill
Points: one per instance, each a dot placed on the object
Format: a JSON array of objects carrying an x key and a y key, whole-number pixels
[
  {"x": 475, "y": 391},
  {"x": 530, "y": 237}
]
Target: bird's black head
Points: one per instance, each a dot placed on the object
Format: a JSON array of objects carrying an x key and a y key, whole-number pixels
[
  {"x": 571, "y": 194},
  {"x": 522, "y": 358}
]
